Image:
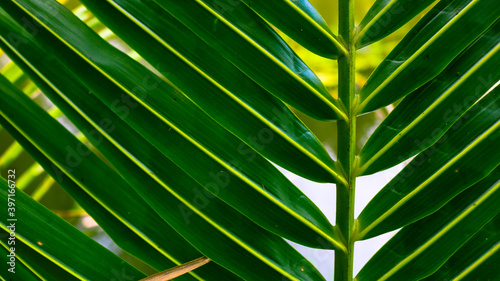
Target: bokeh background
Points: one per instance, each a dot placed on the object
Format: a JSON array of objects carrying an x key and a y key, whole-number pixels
[{"x": 33, "y": 180}]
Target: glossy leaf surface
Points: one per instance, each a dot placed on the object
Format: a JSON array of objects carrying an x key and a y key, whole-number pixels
[
  {"x": 181, "y": 109},
  {"x": 243, "y": 38},
  {"x": 214, "y": 178},
  {"x": 22, "y": 271},
  {"x": 45, "y": 269},
  {"x": 150, "y": 238}
]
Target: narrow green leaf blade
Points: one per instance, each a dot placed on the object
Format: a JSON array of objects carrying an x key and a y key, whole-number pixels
[
  {"x": 431, "y": 45},
  {"x": 423, "y": 117},
  {"x": 461, "y": 158},
  {"x": 420, "y": 249},
  {"x": 385, "y": 17},
  {"x": 243, "y": 38},
  {"x": 86, "y": 259},
  {"x": 270, "y": 127},
  {"x": 477, "y": 259},
  {"x": 300, "y": 21}
]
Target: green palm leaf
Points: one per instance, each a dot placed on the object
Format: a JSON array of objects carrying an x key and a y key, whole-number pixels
[
  {"x": 112, "y": 212},
  {"x": 163, "y": 253},
  {"x": 22, "y": 270},
  {"x": 271, "y": 129},
  {"x": 15, "y": 151},
  {"x": 241, "y": 36},
  {"x": 41, "y": 268},
  {"x": 221, "y": 224}
]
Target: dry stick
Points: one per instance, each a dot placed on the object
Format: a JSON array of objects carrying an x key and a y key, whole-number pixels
[{"x": 177, "y": 271}]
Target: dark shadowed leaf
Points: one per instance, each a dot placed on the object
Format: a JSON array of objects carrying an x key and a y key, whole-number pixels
[
  {"x": 270, "y": 127},
  {"x": 243, "y": 38}
]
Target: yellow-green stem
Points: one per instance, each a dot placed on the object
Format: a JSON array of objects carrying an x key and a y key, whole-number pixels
[{"x": 346, "y": 143}]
